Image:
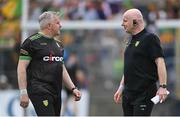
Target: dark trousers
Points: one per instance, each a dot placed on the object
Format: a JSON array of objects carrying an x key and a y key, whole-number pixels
[
  {"x": 46, "y": 105},
  {"x": 138, "y": 104},
  {"x": 137, "y": 109}
]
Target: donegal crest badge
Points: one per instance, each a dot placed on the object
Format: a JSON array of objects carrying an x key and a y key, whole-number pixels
[{"x": 45, "y": 102}]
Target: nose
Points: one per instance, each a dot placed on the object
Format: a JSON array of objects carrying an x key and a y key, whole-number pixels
[{"x": 60, "y": 25}]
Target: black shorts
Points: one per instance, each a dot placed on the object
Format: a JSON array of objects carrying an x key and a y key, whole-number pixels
[
  {"x": 46, "y": 105},
  {"x": 139, "y": 104}
]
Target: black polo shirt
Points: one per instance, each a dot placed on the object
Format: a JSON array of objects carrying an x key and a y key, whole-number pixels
[
  {"x": 140, "y": 70},
  {"x": 44, "y": 73}
]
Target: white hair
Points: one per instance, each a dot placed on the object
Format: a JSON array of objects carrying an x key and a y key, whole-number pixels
[{"x": 46, "y": 18}]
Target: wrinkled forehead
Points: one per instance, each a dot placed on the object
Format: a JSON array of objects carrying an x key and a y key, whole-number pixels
[{"x": 127, "y": 17}]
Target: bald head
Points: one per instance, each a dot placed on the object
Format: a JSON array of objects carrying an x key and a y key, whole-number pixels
[
  {"x": 133, "y": 21},
  {"x": 133, "y": 14}
]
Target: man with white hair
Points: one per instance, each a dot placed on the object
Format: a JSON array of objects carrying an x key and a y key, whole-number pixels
[
  {"x": 143, "y": 66},
  {"x": 41, "y": 68}
]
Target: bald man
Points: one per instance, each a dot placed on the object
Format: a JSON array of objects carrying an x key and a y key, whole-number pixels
[{"x": 143, "y": 66}]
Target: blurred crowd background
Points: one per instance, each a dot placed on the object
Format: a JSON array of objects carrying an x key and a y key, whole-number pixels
[{"x": 94, "y": 58}]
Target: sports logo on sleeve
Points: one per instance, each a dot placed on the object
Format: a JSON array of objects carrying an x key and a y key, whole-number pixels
[{"x": 24, "y": 52}]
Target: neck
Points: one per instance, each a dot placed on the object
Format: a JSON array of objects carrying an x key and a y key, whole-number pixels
[
  {"x": 46, "y": 33},
  {"x": 137, "y": 30}
]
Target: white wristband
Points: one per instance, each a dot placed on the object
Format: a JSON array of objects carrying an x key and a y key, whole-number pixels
[
  {"x": 23, "y": 91},
  {"x": 121, "y": 87}
]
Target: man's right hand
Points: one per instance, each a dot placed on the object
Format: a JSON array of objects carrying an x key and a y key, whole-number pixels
[
  {"x": 24, "y": 100},
  {"x": 77, "y": 94},
  {"x": 117, "y": 96}
]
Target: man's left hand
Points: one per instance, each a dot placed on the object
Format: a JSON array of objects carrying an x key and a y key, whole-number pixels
[{"x": 162, "y": 92}]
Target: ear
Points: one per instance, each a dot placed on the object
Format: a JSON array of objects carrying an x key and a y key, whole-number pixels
[
  {"x": 49, "y": 25},
  {"x": 134, "y": 22}
]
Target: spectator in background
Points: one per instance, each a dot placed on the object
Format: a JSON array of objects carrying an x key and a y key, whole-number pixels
[
  {"x": 10, "y": 12},
  {"x": 105, "y": 9},
  {"x": 72, "y": 67},
  {"x": 34, "y": 14},
  {"x": 77, "y": 76}
]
